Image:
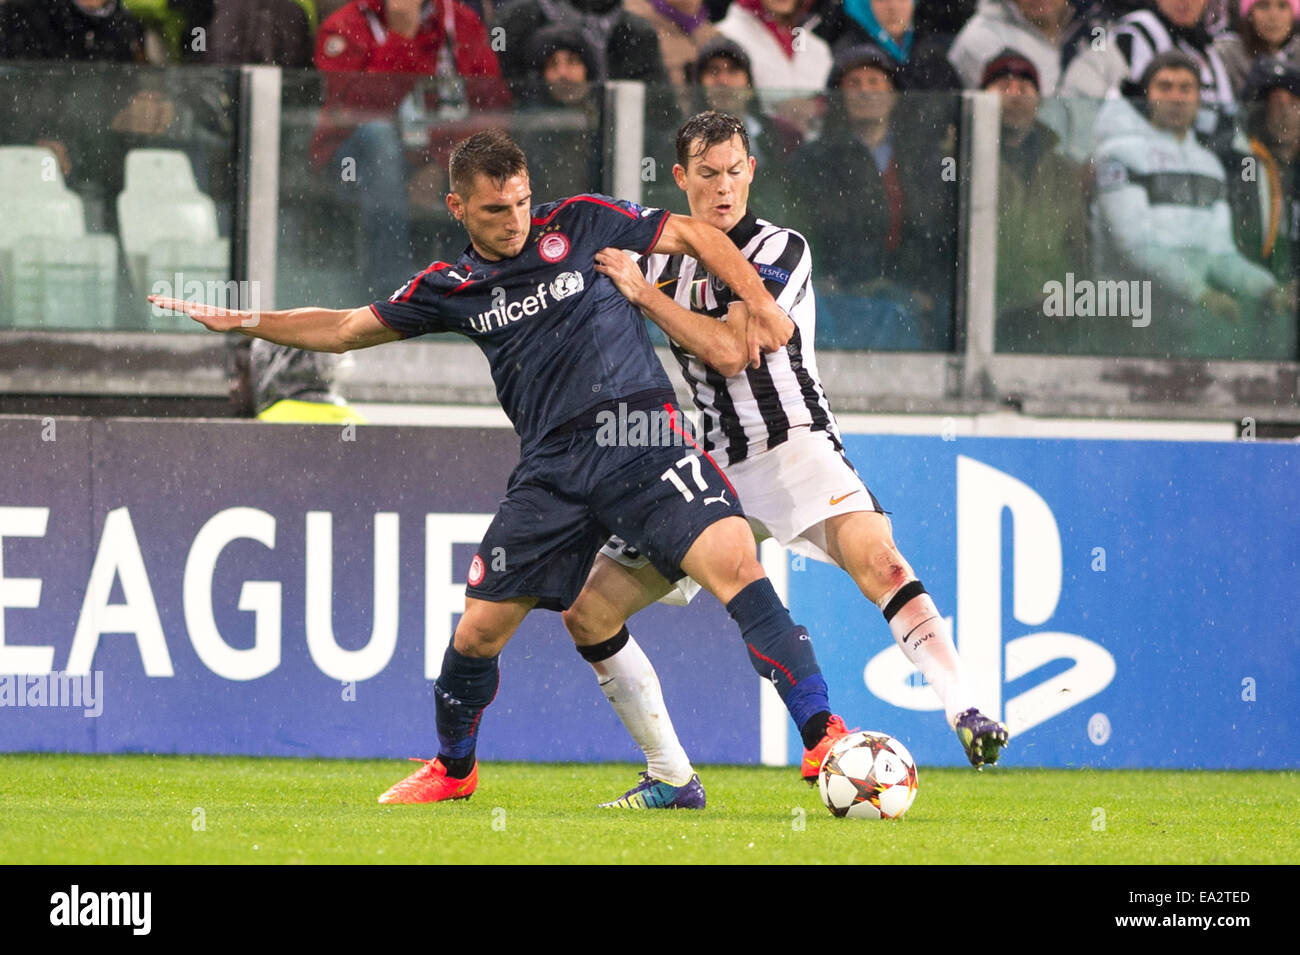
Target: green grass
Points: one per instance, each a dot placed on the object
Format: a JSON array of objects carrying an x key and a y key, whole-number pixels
[{"x": 141, "y": 809}]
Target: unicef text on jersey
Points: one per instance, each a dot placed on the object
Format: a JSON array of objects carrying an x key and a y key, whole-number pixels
[{"x": 505, "y": 312}]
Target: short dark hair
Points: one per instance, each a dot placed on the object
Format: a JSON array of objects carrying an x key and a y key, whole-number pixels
[
  {"x": 1172, "y": 59},
  {"x": 853, "y": 57},
  {"x": 548, "y": 41},
  {"x": 721, "y": 47},
  {"x": 491, "y": 152},
  {"x": 711, "y": 128}
]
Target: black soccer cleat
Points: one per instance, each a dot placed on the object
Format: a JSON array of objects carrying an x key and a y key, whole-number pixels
[{"x": 982, "y": 738}]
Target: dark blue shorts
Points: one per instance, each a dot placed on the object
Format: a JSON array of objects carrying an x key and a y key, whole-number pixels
[{"x": 572, "y": 491}]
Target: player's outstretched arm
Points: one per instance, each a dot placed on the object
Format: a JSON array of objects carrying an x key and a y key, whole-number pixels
[
  {"x": 769, "y": 327},
  {"x": 720, "y": 345},
  {"x": 315, "y": 329}
]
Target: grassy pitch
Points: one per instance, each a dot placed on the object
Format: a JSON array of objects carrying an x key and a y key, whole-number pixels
[{"x": 179, "y": 809}]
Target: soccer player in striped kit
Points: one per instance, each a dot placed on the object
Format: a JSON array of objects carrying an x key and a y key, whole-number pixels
[
  {"x": 566, "y": 350},
  {"x": 769, "y": 425}
]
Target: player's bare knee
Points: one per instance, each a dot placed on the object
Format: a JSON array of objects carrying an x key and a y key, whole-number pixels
[
  {"x": 475, "y": 640},
  {"x": 573, "y": 621},
  {"x": 880, "y": 569},
  {"x": 891, "y": 568},
  {"x": 738, "y": 567},
  {"x": 749, "y": 571},
  {"x": 586, "y": 625},
  {"x": 739, "y": 575},
  {"x": 479, "y": 647}
]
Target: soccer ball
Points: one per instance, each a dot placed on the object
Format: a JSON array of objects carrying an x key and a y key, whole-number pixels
[{"x": 868, "y": 776}]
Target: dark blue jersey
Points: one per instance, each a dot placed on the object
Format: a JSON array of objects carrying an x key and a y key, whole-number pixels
[{"x": 560, "y": 338}]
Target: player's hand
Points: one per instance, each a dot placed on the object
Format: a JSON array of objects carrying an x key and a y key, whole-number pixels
[
  {"x": 624, "y": 273},
  {"x": 209, "y": 316},
  {"x": 149, "y": 113},
  {"x": 738, "y": 322},
  {"x": 738, "y": 316},
  {"x": 769, "y": 330}
]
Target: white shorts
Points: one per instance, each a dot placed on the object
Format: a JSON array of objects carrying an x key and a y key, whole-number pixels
[{"x": 788, "y": 492}]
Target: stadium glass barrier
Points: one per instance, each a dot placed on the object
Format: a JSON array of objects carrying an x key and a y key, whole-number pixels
[
  {"x": 363, "y": 172},
  {"x": 115, "y": 182},
  {"x": 1101, "y": 253},
  {"x": 885, "y": 249},
  {"x": 100, "y": 165}
]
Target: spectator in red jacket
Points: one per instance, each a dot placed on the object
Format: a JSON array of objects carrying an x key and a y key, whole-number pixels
[{"x": 436, "y": 63}]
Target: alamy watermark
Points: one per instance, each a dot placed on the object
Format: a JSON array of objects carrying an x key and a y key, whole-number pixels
[
  {"x": 245, "y": 294},
  {"x": 651, "y": 428},
  {"x": 54, "y": 689},
  {"x": 1088, "y": 298},
  {"x": 129, "y": 909}
]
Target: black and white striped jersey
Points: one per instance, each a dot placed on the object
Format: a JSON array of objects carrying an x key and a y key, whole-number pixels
[
  {"x": 752, "y": 411},
  {"x": 1141, "y": 35}
]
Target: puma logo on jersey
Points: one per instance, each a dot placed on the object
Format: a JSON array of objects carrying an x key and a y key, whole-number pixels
[
  {"x": 721, "y": 497},
  {"x": 836, "y": 500}
]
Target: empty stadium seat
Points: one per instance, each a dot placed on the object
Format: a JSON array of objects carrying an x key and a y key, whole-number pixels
[
  {"x": 53, "y": 274},
  {"x": 169, "y": 231}
]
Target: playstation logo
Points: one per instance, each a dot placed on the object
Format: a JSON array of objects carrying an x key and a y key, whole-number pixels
[{"x": 983, "y": 494}]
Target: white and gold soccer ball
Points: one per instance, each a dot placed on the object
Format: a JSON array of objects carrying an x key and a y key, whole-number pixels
[{"x": 868, "y": 776}]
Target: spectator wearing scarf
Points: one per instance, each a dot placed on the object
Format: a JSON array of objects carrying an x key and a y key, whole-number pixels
[
  {"x": 1138, "y": 37},
  {"x": 683, "y": 27},
  {"x": 920, "y": 57},
  {"x": 1266, "y": 211},
  {"x": 764, "y": 29},
  {"x": 1042, "y": 213}
]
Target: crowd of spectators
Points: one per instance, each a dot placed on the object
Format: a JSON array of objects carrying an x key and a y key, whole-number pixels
[
  {"x": 819, "y": 85},
  {"x": 875, "y": 175}
]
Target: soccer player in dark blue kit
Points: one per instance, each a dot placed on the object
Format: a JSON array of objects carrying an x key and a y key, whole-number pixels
[{"x": 566, "y": 347}]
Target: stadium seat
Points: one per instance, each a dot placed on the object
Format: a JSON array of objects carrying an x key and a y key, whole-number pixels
[
  {"x": 53, "y": 274},
  {"x": 169, "y": 232}
]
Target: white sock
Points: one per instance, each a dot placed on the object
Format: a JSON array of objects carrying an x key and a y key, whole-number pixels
[
  {"x": 924, "y": 639},
  {"x": 631, "y": 685}
]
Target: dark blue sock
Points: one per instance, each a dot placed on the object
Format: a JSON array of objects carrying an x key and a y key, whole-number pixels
[
  {"x": 463, "y": 690},
  {"x": 780, "y": 651}
]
